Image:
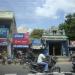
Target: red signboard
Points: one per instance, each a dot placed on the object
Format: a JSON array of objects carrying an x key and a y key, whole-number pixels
[
  {"x": 21, "y": 39},
  {"x": 3, "y": 40}
]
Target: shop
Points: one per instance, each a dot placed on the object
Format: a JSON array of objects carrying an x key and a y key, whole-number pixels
[
  {"x": 21, "y": 43},
  {"x": 72, "y": 47},
  {"x": 37, "y": 46},
  {"x": 7, "y": 28}
]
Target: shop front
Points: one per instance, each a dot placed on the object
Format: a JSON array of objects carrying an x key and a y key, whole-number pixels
[
  {"x": 7, "y": 28},
  {"x": 72, "y": 47},
  {"x": 37, "y": 46},
  {"x": 20, "y": 43},
  {"x": 3, "y": 45}
]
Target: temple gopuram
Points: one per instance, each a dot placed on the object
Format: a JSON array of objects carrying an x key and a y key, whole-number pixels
[{"x": 55, "y": 41}]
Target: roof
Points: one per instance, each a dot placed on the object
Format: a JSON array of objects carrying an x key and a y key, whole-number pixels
[
  {"x": 6, "y": 15},
  {"x": 55, "y": 37}
]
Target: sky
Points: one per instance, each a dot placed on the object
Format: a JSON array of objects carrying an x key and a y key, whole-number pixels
[{"x": 38, "y": 13}]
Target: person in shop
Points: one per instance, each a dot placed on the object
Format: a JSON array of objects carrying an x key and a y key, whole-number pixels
[
  {"x": 43, "y": 60},
  {"x": 19, "y": 54}
]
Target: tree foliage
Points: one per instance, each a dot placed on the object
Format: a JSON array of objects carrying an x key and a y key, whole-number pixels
[
  {"x": 69, "y": 26},
  {"x": 37, "y": 33}
]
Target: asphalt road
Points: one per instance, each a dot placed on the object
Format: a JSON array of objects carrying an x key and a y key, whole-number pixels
[
  {"x": 13, "y": 69},
  {"x": 65, "y": 66},
  {"x": 23, "y": 69}
]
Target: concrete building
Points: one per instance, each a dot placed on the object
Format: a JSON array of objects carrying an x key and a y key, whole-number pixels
[
  {"x": 56, "y": 41},
  {"x": 7, "y": 28}
]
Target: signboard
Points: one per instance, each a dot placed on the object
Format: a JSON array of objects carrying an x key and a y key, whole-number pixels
[
  {"x": 36, "y": 42},
  {"x": 3, "y": 41},
  {"x": 21, "y": 35},
  {"x": 21, "y": 39},
  {"x": 21, "y": 46},
  {"x": 3, "y": 32}
]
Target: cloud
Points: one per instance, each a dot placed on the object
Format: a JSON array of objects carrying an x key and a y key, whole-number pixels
[
  {"x": 23, "y": 29},
  {"x": 51, "y": 8}
]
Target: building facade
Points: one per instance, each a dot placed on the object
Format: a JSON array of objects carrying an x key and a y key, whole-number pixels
[
  {"x": 55, "y": 41},
  {"x": 7, "y": 28}
]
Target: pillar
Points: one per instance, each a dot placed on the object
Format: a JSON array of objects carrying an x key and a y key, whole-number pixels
[
  {"x": 9, "y": 49},
  {"x": 63, "y": 49}
]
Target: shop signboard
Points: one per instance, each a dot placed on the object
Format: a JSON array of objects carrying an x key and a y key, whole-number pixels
[
  {"x": 3, "y": 32},
  {"x": 36, "y": 42},
  {"x": 20, "y": 39},
  {"x": 3, "y": 41},
  {"x": 20, "y": 46}
]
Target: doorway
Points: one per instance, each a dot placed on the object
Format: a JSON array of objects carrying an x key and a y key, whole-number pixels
[{"x": 55, "y": 48}]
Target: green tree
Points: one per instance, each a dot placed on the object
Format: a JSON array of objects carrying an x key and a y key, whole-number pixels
[
  {"x": 37, "y": 33},
  {"x": 69, "y": 26}
]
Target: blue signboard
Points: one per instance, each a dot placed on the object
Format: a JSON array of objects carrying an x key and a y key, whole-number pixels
[
  {"x": 3, "y": 32},
  {"x": 36, "y": 42},
  {"x": 18, "y": 35}
]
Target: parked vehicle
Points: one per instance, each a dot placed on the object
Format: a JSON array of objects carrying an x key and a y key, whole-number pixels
[{"x": 73, "y": 62}]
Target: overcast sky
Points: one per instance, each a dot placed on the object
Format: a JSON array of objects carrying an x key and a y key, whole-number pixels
[{"x": 38, "y": 13}]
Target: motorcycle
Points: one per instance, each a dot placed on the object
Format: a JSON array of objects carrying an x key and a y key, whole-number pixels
[{"x": 35, "y": 67}]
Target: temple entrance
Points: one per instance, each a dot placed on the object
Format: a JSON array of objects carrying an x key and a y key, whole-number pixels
[{"x": 55, "y": 48}]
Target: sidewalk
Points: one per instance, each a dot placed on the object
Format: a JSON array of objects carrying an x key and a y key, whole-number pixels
[{"x": 64, "y": 62}]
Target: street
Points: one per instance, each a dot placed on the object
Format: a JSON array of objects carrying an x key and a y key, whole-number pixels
[
  {"x": 13, "y": 69},
  {"x": 24, "y": 70}
]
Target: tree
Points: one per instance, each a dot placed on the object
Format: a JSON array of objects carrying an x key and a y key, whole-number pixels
[
  {"x": 69, "y": 26},
  {"x": 37, "y": 33}
]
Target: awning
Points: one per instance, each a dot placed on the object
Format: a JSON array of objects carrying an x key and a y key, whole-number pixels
[
  {"x": 36, "y": 46},
  {"x": 20, "y": 46}
]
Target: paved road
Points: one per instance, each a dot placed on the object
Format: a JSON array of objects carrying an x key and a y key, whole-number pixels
[
  {"x": 13, "y": 69},
  {"x": 65, "y": 66},
  {"x": 23, "y": 70}
]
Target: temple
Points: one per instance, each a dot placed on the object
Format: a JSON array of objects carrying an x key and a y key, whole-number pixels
[{"x": 55, "y": 41}]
